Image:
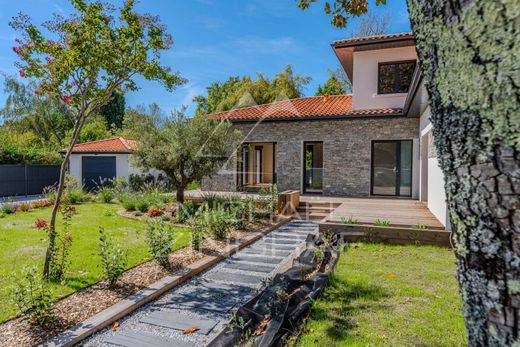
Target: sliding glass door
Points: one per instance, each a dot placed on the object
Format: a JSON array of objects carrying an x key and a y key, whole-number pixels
[{"x": 392, "y": 168}]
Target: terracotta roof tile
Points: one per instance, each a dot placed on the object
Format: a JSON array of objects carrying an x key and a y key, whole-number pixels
[
  {"x": 113, "y": 144},
  {"x": 375, "y": 38},
  {"x": 302, "y": 108}
]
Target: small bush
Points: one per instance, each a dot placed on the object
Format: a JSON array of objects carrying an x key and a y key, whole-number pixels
[
  {"x": 142, "y": 205},
  {"x": 154, "y": 212},
  {"x": 8, "y": 208},
  {"x": 33, "y": 298},
  {"x": 49, "y": 193},
  {"x": 128, "y": 201},
  {"x": 419, "y": 227},
  {"x": 217, "y": 222},
  {"x": 185, "y": 211},
  {"x": 41, "y": 203},
  {"x": 75, "y": 196},
  {"x": 349, "y": 220},
  {"x": 159, "y": 238},
  {"x": 113, "y": 258},
  {"x": 382, "y": 223},
  {"x": 106, "y": 194},
  {"x": 24, "y": 207}
]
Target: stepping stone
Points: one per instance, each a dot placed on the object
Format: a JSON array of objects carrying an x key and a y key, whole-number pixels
[
  {"x": 235, "y": 277},
  {"x": 250, "y": 267},
  {"x": 142, "y": 339},
  {"x": 295, "y": 238},
  {"x": 290, "y": 234},
  {"x": 257, "y": 259},
  {"x": 218, "y": 303},
  {"x": 281, "y": 241},
  {"x": 273, "y": 246},
  {"x": 267, "y": 252},
  {"x": 176, "y": 321}
]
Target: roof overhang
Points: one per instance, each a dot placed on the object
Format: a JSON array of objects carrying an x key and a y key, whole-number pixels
[{"x": 345, "y": 49}]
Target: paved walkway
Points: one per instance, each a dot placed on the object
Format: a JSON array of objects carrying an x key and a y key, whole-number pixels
[{"x": 207, "y": 300}]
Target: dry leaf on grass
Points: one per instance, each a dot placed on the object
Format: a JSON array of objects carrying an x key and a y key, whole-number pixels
[
  {"x": 390, "y": 275},
  {"x": 263, "y": 324},
  {"x": 116, "y": 325}
]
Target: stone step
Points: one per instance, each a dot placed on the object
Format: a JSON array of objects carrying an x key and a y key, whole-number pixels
[
  {"x": 251, "y": 280},
  {"x": 176, "y": 321},
  {"x": 256, "y": 258},
  {"x": 253, "y": 267},
  {"x": 144, "y": 339}
]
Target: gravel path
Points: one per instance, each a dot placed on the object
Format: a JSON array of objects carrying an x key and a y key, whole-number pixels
[{"x": 207, "y": 300}]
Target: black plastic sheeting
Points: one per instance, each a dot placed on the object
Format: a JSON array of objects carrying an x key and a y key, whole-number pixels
[{"x": 286, "y": 300}]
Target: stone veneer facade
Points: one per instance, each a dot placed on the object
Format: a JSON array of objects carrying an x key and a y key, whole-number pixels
[{"x": 346, "y": 151}]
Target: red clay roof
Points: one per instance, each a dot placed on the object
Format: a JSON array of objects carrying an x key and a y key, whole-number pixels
[
  {"x": 309, "y": 107},
  {"x": 374, "y": 38},
  {"x": 113, "y": 144}
]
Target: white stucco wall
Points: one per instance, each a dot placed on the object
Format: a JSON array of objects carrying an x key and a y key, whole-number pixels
[
  {"x": 124, "y": 167},
  {"x": 365, "y": 76},
  {"x": 435, "y": 195}
]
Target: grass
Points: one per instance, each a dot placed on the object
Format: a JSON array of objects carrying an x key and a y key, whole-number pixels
[
  {"x": 21, "y": 245},
  {"x": 389, "y": 296}
]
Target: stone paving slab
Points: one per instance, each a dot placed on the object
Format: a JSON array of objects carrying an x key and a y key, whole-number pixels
[
  {"x": 141, "y": 339},
  {"x": 255, "y": 267},
  {"x": 257, "y": 259},
  {"x": 282, "y": 241},
  {"x": 175, "y": 321},
  {"x": 252, "y": 280},
  {"x": 268, "y": 252}
]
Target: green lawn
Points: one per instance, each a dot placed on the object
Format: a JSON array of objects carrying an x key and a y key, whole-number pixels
[
  {"x": 21, "y": 244},
  {"x": 389, "y": 296}
]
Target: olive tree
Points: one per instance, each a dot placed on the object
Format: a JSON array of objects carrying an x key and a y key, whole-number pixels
[
  {"x": 83, "y": 59},
  {"x": 468, "y": 52},
  {"x": 186, "y": 149}
]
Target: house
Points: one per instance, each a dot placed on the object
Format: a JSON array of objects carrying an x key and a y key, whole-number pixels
[
  {"x": 97, "y": 161},
  {"x": 374, "y": 142}
]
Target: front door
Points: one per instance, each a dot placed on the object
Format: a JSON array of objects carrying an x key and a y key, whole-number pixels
[{"x": 392, "y": 168}]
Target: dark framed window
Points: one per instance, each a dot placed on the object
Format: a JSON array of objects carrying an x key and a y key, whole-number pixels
[{"x": 395, "y": 77}]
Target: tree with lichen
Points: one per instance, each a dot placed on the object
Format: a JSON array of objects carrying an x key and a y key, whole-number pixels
[
  {"x": 468, "y": 53},
  {"x": 89, "y": 56}
]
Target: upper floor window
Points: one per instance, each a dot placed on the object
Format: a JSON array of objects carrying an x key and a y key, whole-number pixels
[{"x": 395, "y": 77}]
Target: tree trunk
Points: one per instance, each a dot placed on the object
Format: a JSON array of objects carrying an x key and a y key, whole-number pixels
[
  {"x": 59, "y": 192},
  {"x": 468, "y": 52},
  {"x": 180, "y": 194}
]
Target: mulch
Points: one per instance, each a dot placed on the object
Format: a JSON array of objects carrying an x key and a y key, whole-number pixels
[{"x": 91, "y": 300}]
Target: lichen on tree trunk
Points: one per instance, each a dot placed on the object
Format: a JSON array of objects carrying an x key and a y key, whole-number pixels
[{"x": 469, "y": 52}]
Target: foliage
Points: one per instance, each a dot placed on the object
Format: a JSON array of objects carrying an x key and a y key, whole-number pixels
[
  {"x": 239, "y": 92},
  {"x": 268, "y": 199},
  {"x": 114, "y": 111},
  {"x": 186, "y": 149},
  {"x": 24, "y": 207},
  {"x": 93, "y": 130},
  {"x": 142, "y": 204},
  {"x": 74, "y": 196},
  {"x": 33, "y": 298},
  {"x": 341, "y": 10},
  {"x": 8, "y": 208},
  {"x": 217, "y": 222},
  {"x": 59, "y": 257},
  {"x": 154, "y": 212},
  {"x": 185, "y": 211},
  {"x": 419, "y": 227},
  {"x": 24, "y": 151},
  {"x": 128, "y": 201},
  {"x": 333, "y": 86},
  {"x": 382, "y": 223},
  {"x": 113, "y": 258},
  {"x": 159, "y": 237},
  {"x": 349, "y": 220},
  {"x": 106, "y": 194}
]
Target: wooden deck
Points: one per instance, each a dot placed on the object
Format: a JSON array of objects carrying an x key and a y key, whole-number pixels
[{"x": 402, "y": 212}]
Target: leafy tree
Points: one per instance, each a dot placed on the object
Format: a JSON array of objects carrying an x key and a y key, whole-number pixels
[
  {"x": 468, "y": 53},
  {"x": 89, "y": 56},
  {"x": 185, "y": 149},
  {"x": 239, "y": 92},
  {"x": 24, "y": 111},
  {"x": 114, "y": 111},
  {"x": 333, "y": 86},
  {"x": 94, "y": 130}
]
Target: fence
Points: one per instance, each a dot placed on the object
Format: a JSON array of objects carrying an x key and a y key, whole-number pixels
[{"x": 18, "y": 180}]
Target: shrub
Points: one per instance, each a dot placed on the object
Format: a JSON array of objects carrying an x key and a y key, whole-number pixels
[
  {"x": 106, "y": 194},
  {"x": 159, "y": 238},
  {"x": 243, "y": 211},
  {"x": 382, "y": 223},
  {"x": 213, "y": 201},
  {"x": 155, "y": 212},
  {"x": 60, "y": 251},
  {"x": 185, "y": 211},
  {"x": 41, "y": 203},
  {"x": 75, "y": 196},
  {"x": 33, "y": 298},
  {"x": 8, "y": 208},
  {"x": 128, "y": 201},
  {"x": 268, "y": 198},
  {"x": 142, "y": 205},
  {"x": 419, "y": 227},
  {"x": 24, "y": 207},
  {"x": 113, "y": 258},
  {"x": 349, "y": 220},
  {"x": 217, "y": 222},
  {"x": 49, "y": 193}
]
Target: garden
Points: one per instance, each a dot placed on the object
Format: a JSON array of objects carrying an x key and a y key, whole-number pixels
[{"x": 110, "y": 245}]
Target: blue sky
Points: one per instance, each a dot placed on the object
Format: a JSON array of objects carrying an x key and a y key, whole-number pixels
[{"x": 215, "y": 39}]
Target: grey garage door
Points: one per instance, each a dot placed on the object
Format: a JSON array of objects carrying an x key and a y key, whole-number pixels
[{"x": 96, "y": 170}]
